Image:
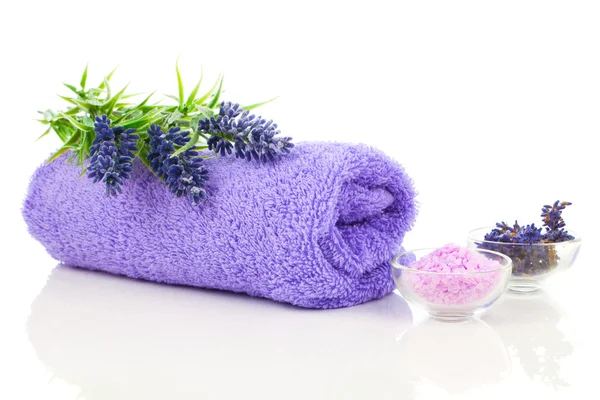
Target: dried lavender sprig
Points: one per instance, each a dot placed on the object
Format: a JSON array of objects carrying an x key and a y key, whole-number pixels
[
  {"x": 503, "y": 232},
  {"x": 529, "y": 234},
  {"x": 554, "y": 228},
  {"x": 554, "y": 223},
  {"x": 529, "y": 259},
  {"x": 111, "y": 155}
]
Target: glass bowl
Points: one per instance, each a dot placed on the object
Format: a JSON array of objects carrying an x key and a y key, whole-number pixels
[
  {"x": 532, "y": 263},
  {"x": 450, "y": 295}
]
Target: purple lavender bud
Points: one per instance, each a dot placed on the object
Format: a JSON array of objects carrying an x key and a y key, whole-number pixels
[
  {"x": 530, "y": 259},
  {"x": 229, "y": 109},
  {"x": 111, "y": 155},
  {"x": 249, "y": 136},
  {"x": 554, "y": 223},
  {"x": 529, "y": 234},
  {"x": 219, "y": 145},
  {"x": 184, "y": 173},
  {"x": 558, "y": 236}
]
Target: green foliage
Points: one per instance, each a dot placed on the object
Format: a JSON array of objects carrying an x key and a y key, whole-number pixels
[{"x": 75, "y": 124}]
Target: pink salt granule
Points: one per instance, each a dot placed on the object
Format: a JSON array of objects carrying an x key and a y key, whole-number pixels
[{"x": 453, "y": 285}]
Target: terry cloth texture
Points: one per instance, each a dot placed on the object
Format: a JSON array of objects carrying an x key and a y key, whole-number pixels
[{"x": 316, "y": 228}]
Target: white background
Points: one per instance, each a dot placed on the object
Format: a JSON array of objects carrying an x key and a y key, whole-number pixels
[{"x": 492, "y": 107}]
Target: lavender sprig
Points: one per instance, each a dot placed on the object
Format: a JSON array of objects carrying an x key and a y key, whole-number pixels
[
  {"x": 528, "y": 259},
  {"x": 249, "y": 136},
  {"x": 529, "y": 234},
  {"x": 108, "y": 151},
  {"x": 554, "y": 223},
  {"x": 183, "y": 173},
  {"x": 111, "y": 155}
]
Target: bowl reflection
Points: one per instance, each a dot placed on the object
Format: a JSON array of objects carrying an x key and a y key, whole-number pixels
[
  {"x": 455, "y": 357},
  {"x": 529, "y": 327}
]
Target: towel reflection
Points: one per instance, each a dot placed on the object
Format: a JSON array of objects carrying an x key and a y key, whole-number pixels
[{"x": 117, "y": 338}]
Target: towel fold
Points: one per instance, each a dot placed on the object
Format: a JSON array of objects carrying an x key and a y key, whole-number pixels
[{"x": 315, "y": 228}]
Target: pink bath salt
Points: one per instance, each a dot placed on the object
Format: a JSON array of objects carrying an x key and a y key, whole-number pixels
[
  {"x": 452, "y": 284},
  {"x": 455, "y": 259}
]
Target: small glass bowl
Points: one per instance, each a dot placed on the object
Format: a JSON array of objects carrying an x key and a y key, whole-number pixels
[
  {"x": 532, "y": 263},
  {"x": 448, "y": 295}
]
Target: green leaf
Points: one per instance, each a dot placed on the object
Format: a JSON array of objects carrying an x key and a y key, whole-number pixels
[
  {"x": 58, "y": 153},
  {"x": 133, "y": 114},
  {"x": 93, "y": 102},
  {"x": 204, "y": 112},
  {"x": 87, "y": 121},
  {"x": 256, "y": 105},
  {"x": 82, "y": 105},
  {"x": 88, "y": 141},
  {"x": 145, "y": 120},
  {"x": 68, "y": 99},
  {"x": 127, "y": 96},
  {"x": 194, "y": 92},
  {"x": 141, "y": 124},
  {"x": 73, "y": 111},
  {"x": 174, "y": 117},
  {"x": 190, "y": 110},
  {"x": 61, "y": 130},
  {"x": 143, "y": 103},
  {"x": 130, "y": 115},
  {"x": 61, "y": 134},
  {"x": 149, "y": 107},
  {"x": 107, "y": 107},
  {"x": 65, "y": 147},
  {"x": 82, "y": 152},
  {"x": 179, "y": 85},
  {"x": 210, "y": 91},
  {"x": 44, "y": 134},
  {"x": 172, "y": 97},
  {"x": 107, "y": 78},
  {"x": 107, "y": 88},
  {"x": 111, "y": 73},
  {"x": 94, "y": 92},
  {"x": 84, "y": 77},
  {"x": 49, "y": 115},
  {"x": 216, "y": 96},
  {"x": 73, "y": 88},
  {"x": 74, "y": 122}
]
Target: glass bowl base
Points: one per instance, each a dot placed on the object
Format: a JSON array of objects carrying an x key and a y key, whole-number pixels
[
  {"x": 451, "y": 316},
  {"x": 523, "y": 286}
]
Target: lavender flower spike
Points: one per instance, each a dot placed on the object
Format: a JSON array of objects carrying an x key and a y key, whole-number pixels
[
  {"x": 251, "y": 137},
  {"x": 111, "y": 155},
  {"x": 184, "y": 174},
  {"x": 554, "y": 223},
  {"x": 529, "y": 234}
]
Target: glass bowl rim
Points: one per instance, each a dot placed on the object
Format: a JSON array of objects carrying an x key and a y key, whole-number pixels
[
  {"x": 395, "y": 264},
  {"x": 470, "y": 237}
]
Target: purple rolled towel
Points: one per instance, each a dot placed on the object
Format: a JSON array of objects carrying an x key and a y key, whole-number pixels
[{"x": 316, "y": 228}]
